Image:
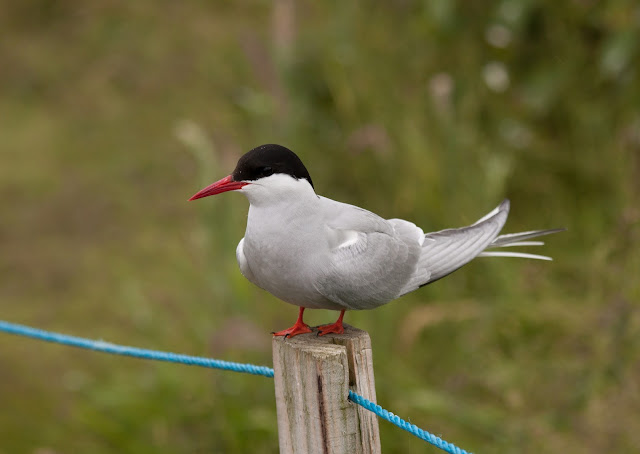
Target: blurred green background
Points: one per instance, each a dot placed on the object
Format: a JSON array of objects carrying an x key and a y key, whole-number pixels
[{"x": 113, "y": 113}]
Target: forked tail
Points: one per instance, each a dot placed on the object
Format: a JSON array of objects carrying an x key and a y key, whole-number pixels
[
  {"x": 515, "y": 240},
  {"x": 447, "y": 250}
]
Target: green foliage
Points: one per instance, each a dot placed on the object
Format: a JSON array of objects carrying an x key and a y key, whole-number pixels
[{"x": 114, "y": 113}]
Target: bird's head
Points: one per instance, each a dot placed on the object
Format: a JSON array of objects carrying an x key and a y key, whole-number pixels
[{"x": 266, "y": 173}]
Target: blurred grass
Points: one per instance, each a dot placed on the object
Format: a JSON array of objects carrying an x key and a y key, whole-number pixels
[{"x": 114, "y": 113}]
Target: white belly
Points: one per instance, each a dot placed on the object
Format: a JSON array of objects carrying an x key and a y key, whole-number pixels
[{"x": 287, "y": 265}]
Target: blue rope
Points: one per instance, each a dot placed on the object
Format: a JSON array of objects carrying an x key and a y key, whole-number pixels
[
  {"x": 404, "y": 425},
  {"x": 107, "y": 347}
]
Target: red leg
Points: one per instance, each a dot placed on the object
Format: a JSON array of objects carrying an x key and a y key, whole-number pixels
[
  {"x": 300, "y": 327},
  {"x": 335, "y": 328}
]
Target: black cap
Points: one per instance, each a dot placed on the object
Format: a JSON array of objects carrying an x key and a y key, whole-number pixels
[{"x": 268, "y": 159}]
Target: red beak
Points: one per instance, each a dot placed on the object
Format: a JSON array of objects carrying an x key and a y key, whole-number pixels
[{"x": 224, "y": 185}]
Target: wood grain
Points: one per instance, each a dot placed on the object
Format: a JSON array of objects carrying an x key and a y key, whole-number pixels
[{"x": 313, "y": 376}]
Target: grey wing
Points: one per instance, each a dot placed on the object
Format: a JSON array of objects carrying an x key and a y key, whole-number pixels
[
  {"x": 370, "y": 261},
  {"x": 351, "y": 217},
  {"x": 445, "y": 251}
]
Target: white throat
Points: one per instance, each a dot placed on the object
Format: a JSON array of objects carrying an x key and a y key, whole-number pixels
[{"x": 278, "y": 189}]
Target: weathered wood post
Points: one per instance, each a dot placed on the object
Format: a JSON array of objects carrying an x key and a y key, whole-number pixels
[{"x": 313, "y": 376}]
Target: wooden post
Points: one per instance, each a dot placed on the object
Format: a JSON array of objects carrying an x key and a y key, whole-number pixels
[{"x": 313, "y": 376}]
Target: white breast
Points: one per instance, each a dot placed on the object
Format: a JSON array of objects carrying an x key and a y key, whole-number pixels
[{"x": 284, "y": 250}]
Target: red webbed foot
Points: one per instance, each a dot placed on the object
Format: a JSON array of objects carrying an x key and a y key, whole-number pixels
[
  {"x": 333, "y": 328},
  {"x": 299, "y": 327}
]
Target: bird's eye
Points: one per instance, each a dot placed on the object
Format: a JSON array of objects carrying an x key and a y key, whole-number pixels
[{"x": 266, "y": 171}]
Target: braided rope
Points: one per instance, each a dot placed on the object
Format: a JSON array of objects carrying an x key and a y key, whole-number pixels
[{"x": 107, "y": 347}]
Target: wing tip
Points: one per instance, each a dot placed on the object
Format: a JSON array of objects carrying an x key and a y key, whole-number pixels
[{"x": 502, "y": 208}]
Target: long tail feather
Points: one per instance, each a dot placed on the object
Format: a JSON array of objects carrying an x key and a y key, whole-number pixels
[
  {"x": 522, "y": 243},
  {"x": 513, "y": 237},
  {"x": 523, "y": 255},
  {"x": 516, "y": 239}
]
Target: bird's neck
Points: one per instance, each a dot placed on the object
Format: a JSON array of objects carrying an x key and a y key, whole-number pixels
[
  {"x": 278, "y": 194},
  {"x": 283, "y": 217}
]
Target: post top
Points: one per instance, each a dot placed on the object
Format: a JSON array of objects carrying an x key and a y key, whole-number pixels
[{"x": 350, "y": 334}]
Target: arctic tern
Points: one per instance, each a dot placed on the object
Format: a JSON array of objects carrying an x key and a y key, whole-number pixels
[{"x": 317, "y": 253}]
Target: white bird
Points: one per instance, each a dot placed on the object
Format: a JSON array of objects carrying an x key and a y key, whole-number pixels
[{"x": 317, "y": 253}]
